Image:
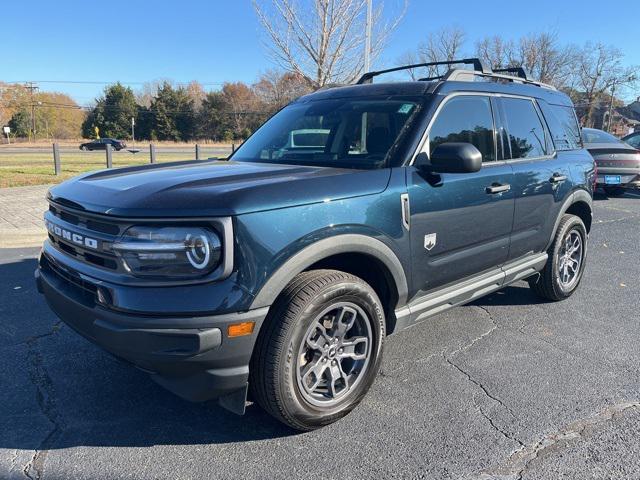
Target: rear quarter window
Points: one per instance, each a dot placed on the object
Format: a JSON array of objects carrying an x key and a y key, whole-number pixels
[
  {"x": 563, "y": 125},
  {"x": 526, "y": 133}
]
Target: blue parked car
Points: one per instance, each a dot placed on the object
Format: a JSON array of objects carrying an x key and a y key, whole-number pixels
[{"x": 278, "y": 274}]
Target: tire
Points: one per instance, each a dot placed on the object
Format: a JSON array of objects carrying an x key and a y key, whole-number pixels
[
  {"x": 552, "y": 282},
  {"x": 284, "y": 377},
  {"x": 84, "y": 149},
  {"x": 614, "y": 191}
]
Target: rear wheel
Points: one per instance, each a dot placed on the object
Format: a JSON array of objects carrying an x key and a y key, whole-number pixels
[
  {"x": 567, "y": 254},
  {"x": 614, "y": 191},
  {"x": 320, "y": 349},
  {"x": 83, "y": 148}
]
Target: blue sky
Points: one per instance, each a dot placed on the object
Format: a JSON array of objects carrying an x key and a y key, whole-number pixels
[{"x": 213, "y": 41}]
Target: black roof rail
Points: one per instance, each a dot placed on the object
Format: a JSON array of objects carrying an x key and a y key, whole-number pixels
[
  {"x": 520, "y": 72},
  {"x": 478, "y": 66}
]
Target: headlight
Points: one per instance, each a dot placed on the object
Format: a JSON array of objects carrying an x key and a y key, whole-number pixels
[{"x": 169, "y": 252}]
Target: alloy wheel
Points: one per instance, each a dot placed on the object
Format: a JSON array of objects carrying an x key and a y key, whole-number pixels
[
  {"x": 570, "y": 259},
  {"x": 334, "y": 354}
]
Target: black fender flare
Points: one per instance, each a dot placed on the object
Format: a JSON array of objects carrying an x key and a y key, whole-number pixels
[
  {"x": 575, "y": 197},
  {"x": 325, "y": 248}
]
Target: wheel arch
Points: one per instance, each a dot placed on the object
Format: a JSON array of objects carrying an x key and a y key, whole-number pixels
[
  {"x": 580, "y": 204},
  {"x": 363, "y": 256}
]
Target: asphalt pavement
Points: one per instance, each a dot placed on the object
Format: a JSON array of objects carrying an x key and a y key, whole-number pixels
[{"x": 506, "y": 388}]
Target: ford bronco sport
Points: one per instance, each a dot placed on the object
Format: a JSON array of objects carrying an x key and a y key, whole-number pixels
[{"x": 278, "y": 273}]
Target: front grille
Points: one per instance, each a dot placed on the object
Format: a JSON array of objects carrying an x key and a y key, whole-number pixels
[
  {"x": 104, "y": 231},
  {"x": 91, "y": 224},
  {"x": 86, "y": 289}
]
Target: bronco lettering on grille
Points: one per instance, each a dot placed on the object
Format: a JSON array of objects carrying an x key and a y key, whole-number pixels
[{"x": 72, "y": 237}]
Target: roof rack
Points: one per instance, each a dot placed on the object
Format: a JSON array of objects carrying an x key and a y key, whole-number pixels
[
  {"x": 520, "y": 72},
  {"x": 478, "y": 66},
  {"x": 470, "y": 76}
]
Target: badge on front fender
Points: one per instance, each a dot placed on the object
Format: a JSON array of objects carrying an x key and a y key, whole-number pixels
[{"x": 430, "y": 241}]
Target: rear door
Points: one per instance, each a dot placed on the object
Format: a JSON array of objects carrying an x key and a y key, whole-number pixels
[
  {"x": 460, "y": 223},
  {"x": 541, "y": 179}
]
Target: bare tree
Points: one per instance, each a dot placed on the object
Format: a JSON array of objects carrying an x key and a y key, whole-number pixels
[
  {"x": 323, "y": 40},
  {"x": 496, "y": 52},
  {"x": 548, "y": 61},
  {"x": 599, "y": 70},
  {"x": 196, "y": 93},
  {"x": 149, "y": 90},
  {"x": 541, "y": 54},
  {"x": 444, "y": 45},
  {"x": 276, "y": 89}
]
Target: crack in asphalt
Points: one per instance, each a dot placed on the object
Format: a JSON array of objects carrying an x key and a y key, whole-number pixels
[
  {"x": 46, "y": 401},
  {"x": 498, "y": 429},
  {"x": 520, "y": 460},
  {"x": 449, "y": 359},
  {"x": 485, "y": 334}
]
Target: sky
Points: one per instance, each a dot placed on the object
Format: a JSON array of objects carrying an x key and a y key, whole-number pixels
[{"x": 213, "y": 41}]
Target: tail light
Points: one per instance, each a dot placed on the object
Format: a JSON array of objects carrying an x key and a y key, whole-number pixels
[{"x": 595, "y": 175}]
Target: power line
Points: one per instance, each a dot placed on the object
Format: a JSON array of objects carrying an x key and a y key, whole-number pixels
[{"x": 103, "y": 82}]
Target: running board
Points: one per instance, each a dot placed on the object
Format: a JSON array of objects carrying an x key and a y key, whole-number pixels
[{"x": 467, "y": 291}]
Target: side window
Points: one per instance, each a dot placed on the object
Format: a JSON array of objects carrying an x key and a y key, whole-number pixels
[
  {"x": 524, "y": 128},
  {"x": 563, "y": 124},
  {"x": 465, "y": 119},
  {"x": 634, "y": 141}
]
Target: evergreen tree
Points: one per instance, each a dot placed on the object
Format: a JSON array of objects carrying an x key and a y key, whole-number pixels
[
  {"x": 20, "y": 123},
  {"x": 212, "y": 121},
  {"x": 173, "y": 114},
  {"x": 112, "y": 113}
]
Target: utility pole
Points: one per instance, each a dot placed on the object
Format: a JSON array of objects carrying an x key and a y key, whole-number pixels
[
  {"x": 31, "y": 86},
  {"x": 367, "y": 37},
  {"x": 613, "y": 92},
  {"x": 367, "y": 67}
]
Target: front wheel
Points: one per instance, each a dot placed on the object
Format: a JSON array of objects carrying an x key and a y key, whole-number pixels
[
  {"x": 565, "y": 266},
  {"x": 320, "y": 349}
]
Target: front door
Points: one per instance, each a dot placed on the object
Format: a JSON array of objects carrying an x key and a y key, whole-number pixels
[{"x": 460, "y": 224}]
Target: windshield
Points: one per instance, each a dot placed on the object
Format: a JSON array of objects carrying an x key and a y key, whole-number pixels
[
  {"x": 598, "y": 136},
  {"x": 346, "y": 133}
]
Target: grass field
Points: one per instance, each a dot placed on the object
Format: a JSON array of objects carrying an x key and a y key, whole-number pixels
[{"x": 35, "y": 167}]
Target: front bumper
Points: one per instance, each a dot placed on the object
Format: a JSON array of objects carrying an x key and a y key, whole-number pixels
[{"x": 191, "y": 356}]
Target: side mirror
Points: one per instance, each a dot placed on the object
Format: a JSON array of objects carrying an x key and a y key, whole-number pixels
[{"x": 455, "y": 157}]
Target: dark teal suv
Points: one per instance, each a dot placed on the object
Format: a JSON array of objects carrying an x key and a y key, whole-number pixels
[{"x": 276, "y": 275}]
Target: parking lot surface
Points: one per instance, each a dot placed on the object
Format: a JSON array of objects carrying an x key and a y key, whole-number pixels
[{"x": 508, "y": 387}]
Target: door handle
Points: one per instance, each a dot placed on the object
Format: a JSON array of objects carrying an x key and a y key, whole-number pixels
[
  {"x": 557, "y": 178},
  {"x": 498, "y": 188}
]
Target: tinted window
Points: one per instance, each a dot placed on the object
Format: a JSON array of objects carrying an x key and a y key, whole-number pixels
[
  {"x": 465, "y": 119},
  {"x": 563, "y": 124},
  {"x": 349, "y": 133},
  {"x": 634, "y": 141},
  {"x": 591, "y": 135},
  {"x": 524, "y": 128}
]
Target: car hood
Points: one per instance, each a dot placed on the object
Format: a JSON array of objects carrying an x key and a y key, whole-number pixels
[{"x": 212, "y": 188}]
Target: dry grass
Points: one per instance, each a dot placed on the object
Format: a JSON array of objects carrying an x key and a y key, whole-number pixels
[{"x": 36, "y": 168}]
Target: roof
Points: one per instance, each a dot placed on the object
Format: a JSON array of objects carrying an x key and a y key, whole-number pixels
[
  {"x": 419, "y": 88},
  {"x": 370, "y": 90}
]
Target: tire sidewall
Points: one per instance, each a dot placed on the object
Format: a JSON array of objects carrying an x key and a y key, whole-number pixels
[
  {"x": 294, "y": 403},
  {"x": 574, "y": 223}
]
